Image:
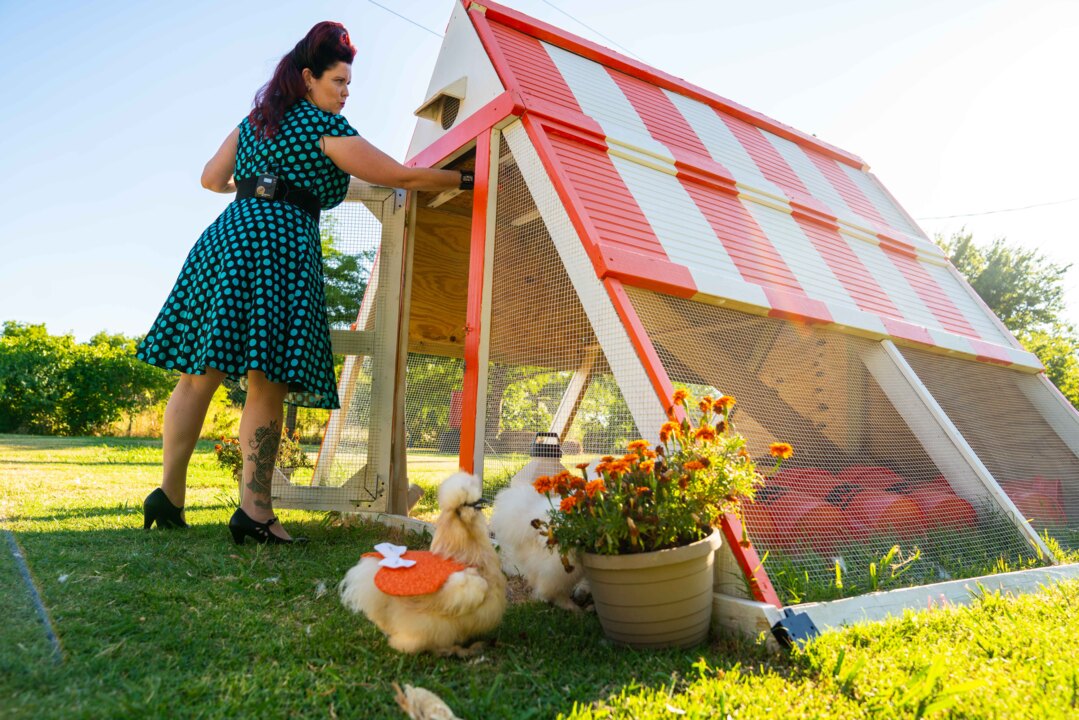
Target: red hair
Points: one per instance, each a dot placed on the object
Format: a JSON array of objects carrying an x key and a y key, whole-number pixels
[{"x": 324, "y": 45}]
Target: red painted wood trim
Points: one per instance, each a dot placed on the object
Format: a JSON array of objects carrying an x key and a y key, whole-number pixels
[
  {"x": 907, "y": 331},
  {"x": 494, "y": 50},
  {"x": 598, "y": 53},
  {"x": 646, "y": 351},
  {"x": 797, "y": 307},
  {"x": 474, "y": 312},
  {"x": 990, "y": 353},
  {"x": 505, "y": 105},
  {"x": 564, "y": 187},
  {"x": 646, "y": 272},
  {"x": 705, "y": 172},
  {"x": 575, "y": 124},
  {"x": 745, "y": 554}
]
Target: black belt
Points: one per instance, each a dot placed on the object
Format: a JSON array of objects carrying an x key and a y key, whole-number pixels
[{"x": 272, "y": 187}]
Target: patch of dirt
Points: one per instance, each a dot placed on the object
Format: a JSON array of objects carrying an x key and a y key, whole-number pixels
[{"x": 517, "y": 590}]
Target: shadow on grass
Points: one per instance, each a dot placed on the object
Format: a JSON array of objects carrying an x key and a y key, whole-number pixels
[
  {"x": 127, "y": 510},
  {"x": 185, "y": 623}
]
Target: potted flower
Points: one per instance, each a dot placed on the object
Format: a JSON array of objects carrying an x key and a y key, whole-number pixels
[{"x": 643, "y": 527}]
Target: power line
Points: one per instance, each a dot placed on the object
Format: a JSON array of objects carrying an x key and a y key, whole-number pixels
[
  {"x": 1004, "y": 210},
  {"x": 421, "y": 27},
  {"x": 597, "y": 32}
]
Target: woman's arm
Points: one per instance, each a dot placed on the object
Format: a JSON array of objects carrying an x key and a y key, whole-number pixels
[
  {"x": 361, "y": 159},
  {"x": 217, "y": 175}
]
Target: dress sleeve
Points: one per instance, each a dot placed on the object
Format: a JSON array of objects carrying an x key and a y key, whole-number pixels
[{"x": 337, "y": 126}]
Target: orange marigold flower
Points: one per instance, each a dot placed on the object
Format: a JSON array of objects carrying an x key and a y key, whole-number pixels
[
  {"x": 721, "y": 426},
  {"x": 637, "y": 445},
  {"x": 694, "y": 465},
  {"x": 705, "y": 432},
  {"x": 594, "y": 487},
  {"x": 568, "y": 503},
  {"x": 781, "y": 450},
  {"x": 647, "y": 466},
  {"x": 679, "y": 397},
  {"x": 582, "y": 466},
  {"x": 743, "y": 453},
  {"x": 724, "y": 403},
  {"x": 671, "y": 427},
  {"x": 649, "y": 453},
  {"x": 217, "y": 448},
  {"x": 543, "y": 484},
  {"x": 576, "y": 483},
  {"x": 705, "y": 404},
  {"x": 607, "y": 458},
  {"x": 683, "y": 482},
  {"x": 643, "y": 489}
]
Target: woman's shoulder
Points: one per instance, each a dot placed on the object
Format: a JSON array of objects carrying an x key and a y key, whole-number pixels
[{"x": 309, "y": 116}]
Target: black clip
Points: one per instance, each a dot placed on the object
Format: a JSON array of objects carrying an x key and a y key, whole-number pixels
[
  {"x": 794, "y": 628},
  {"x": 266, "y": 187}
]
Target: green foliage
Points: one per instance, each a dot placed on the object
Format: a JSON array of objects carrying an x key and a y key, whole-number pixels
[
  {"x": 431, "y": 381},
  {"x": 1058, "y": 349},
  {"x": 1026, "y": 291},
  {"x": 530, "y": 400},
  {"x": 1023, "y": 287},
  {"x": 346, "y": 277},
  {"x": 53, "y": 385}
]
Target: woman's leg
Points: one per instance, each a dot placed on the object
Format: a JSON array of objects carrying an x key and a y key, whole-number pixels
[
  {"x": 260, "y": 435},
  {"x": 184, "y": 414}
]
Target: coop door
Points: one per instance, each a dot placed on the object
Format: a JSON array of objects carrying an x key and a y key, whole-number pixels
[
  {"x": 437, "y": 304},
  {"x": 364, "y": 258}
]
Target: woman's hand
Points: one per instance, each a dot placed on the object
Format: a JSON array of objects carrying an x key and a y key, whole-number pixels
[
  {"x": 217, "y": 175},
  {"x": 361, "y": 159}
]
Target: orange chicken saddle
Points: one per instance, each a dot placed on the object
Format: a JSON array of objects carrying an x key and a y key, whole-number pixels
[{"x": 426, "y": 576}]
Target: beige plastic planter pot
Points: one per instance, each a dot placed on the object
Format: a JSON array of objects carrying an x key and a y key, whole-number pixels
[{"x": 656, "y": 599}]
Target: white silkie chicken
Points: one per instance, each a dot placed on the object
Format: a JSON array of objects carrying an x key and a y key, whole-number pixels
[
  {"x": 523, "y": 548},
  {"x": 452, "y": 594}
]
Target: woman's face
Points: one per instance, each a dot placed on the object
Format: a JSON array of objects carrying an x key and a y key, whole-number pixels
[{"x": 329, "y": 91}]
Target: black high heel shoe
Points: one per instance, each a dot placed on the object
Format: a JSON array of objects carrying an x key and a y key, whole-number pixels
[
  {"x": 242, "y": 527},
  {"x": 158, "y": 508}
]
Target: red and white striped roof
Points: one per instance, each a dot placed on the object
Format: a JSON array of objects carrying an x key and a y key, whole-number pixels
[{"x": 677, "y": 190}]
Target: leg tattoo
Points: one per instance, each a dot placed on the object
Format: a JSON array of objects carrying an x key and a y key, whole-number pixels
[{"x": 264, "y": 458}]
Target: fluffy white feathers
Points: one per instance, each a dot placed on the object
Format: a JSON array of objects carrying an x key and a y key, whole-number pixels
[
  {"x": 524, "y": 551},
  {"x": 470, "y": 603}
]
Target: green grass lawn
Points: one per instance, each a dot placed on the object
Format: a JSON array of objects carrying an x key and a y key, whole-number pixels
[{"x": 185, "y": 624}]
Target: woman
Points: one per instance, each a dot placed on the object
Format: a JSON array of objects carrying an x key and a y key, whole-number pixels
[{"x": 249, "y": 301}]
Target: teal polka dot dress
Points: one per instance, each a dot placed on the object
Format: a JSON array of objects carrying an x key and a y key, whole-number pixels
[{"x": 250, "y": 295}]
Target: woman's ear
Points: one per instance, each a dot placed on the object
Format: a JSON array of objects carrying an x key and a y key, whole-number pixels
[{"x": 308, "y": 78}]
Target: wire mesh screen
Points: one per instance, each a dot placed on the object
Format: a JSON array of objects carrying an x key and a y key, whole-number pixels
[
  {"x": 546, "y": 370},
  {"x": 867, "y": 474},
  {"x": 345, "y": 476},
  {"x": 433, "y": 406},
  {"x": 994, "y": 409}
]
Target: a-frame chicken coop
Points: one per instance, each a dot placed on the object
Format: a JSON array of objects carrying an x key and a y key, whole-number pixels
[{"x": 630, "y": 233}]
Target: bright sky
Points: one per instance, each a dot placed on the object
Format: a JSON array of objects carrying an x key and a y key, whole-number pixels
[{"x": 112, "y": 108}]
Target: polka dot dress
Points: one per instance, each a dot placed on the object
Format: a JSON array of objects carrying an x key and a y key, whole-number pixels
[{"x": 250, "y": 295}]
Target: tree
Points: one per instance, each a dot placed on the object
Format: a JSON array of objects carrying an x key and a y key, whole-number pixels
[
  {"x": 1023, "y": 287},
  {"x": 346, "y": 277},
  {"x": 53, "y": 385},
  {"x": 1026, "y": 291}
]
